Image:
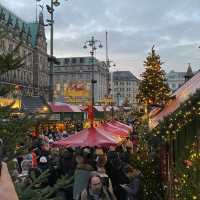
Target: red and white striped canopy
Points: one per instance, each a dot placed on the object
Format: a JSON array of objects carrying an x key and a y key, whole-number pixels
[{"x": 64, "y": 107}]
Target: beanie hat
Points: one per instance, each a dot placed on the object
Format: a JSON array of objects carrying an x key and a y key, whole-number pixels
[{"x": 43, "y": 159}]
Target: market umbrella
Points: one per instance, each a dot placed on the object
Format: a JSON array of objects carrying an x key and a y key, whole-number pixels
[
  {"x": 90, "y": 137},
  {"x": 116, "y": 130},
  {"x": 121, "y": 125}
]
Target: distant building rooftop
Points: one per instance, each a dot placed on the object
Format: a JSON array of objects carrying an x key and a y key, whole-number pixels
[{"x": 124, "y": 76}]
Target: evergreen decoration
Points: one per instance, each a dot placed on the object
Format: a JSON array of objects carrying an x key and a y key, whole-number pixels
[
  {"x": 186, "y": 167},
  {"x": 13, "y": 130},
  {"x": 175, "y": 122},
  {"x": 153, "y": 89},
  {"x": 188, "y": 176},
  {"x": 147, "y": 161},
  {"x": 33, "y": 188},
  {"x": 11, "y": 60}
]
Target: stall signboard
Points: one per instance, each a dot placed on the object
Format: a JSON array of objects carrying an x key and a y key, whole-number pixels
[
  {"x": 16, "y": 103},
  {"x": 77, "y": 92}
]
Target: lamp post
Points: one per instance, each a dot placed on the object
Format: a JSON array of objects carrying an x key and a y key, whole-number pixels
[
  {"x": 93, "y": 47},
  {"x": 51, "y": 10},
  {"x": 118, "y": 95},
  {"x": 52, "y": 59}
]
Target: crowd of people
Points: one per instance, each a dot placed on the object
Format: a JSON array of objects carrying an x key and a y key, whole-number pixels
[{"x": 98, "y": 173}]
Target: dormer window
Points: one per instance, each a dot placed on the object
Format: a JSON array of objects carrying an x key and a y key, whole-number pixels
[
  {"x": 29, "y": 36},
  {"x": 17, "y": 28},
  {"x": 2, "y": 15},
  {"x": 10, "y": 21},
  {"x": 23, "y": 31}
]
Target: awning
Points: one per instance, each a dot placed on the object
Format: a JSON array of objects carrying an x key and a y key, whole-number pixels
[
  {"x": 120, "y": 125},
  {"x": 34, "y": 104},
  {"x": 63, "y": 107},
  {"x": 99, "y": 108},
  {"x": 116, "y": 130},
  {"x": 90, "y": 137}
]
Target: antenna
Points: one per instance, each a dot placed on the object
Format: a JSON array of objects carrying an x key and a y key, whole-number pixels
[
  {"x": 107, "y": 59},
  {"x": 36, "y": 9}
]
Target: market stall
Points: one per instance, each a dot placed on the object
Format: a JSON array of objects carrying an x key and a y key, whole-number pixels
[{"x": 90, "y": 137}]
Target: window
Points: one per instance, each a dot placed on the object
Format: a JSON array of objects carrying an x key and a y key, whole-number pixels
[
  {"x": 82, "y": 60},
  {"x": 24, "y": 53},
  {"x": 73, "y": 60},
  {"x": 76, "y": 68},
  {"x": 2, "y": 44},
  {"x": 30, "y": 58},
  {"x": 66, "y": 61},
  {"x": 10, "y": 48},
  {"x": 173, "y": 86},
  {"x": 57, "y": 86}
]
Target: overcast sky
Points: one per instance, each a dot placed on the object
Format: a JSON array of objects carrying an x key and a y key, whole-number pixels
[{"x": 133, "y": 27}]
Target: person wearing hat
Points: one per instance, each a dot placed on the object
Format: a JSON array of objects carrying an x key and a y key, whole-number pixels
[{"x": 43, "y": 164}]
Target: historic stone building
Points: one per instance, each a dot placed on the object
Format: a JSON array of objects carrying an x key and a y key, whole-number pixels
[
  {"x": 33, "y": 78},
  {"x": 72, "y": 80},
  {"x": 124, "y": 88},
  {"x": 176, "y": 79}
]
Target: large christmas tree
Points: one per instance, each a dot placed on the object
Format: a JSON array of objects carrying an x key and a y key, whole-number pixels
[
  {"x": 13, "y": 131},
  {"x": 153, "y": 89}
]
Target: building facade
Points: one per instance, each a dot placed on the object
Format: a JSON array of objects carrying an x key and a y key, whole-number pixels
[
  {"x": 72, "y": 80},
  {"x": 33, "y": 78},
  {"x": 176, "y": 79},
  {"x": 124, "y": 88}
]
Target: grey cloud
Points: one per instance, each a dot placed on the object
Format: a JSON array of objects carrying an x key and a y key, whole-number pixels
[{"x": 133, "y": 26}]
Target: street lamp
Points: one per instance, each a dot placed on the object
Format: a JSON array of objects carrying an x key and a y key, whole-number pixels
[
  {"x": 93, "y": 45},
  {"x": 52, "y": 59},
  {"x": 118, "y": 95},
  {"x": 51, "y": 10}
]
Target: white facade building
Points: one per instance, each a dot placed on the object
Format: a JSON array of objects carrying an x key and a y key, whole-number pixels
[
  {"x": 124, "y": 87},
  {"x": 176, "y": 79},
  {"x": 72, "y": 80}
]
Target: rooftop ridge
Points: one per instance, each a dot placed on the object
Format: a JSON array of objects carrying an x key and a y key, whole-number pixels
[
  {"x": 33, "y": 26},
  {"x": 13, "y": 14}
]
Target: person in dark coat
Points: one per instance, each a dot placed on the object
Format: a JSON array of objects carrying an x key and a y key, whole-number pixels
[
  {"x": 114, "y": 169},
  {"x": 134, "y": 188},
  {"x": 82, "y": 174}
]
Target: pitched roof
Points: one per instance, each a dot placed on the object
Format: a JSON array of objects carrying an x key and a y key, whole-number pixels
[
  {"x": 34, "y": 30},
  {"x": 180, "y": 96},
  {"x": 124, "y": 76},
  {"x": 9, "y": 15},
  {"x": 33, "y": 104}
]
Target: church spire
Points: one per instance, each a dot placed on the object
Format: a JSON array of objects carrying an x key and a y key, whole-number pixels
[
  {"x": 41, "y": 18},
  {"x": 189, "y": 74}
]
